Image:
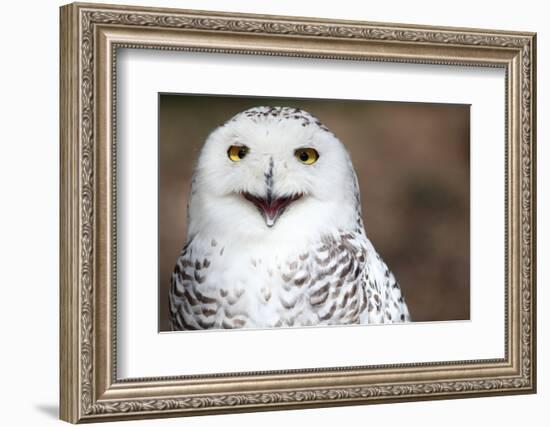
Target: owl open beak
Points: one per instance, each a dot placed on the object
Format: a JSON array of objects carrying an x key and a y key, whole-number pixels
[{"x": 271, "y": 208}]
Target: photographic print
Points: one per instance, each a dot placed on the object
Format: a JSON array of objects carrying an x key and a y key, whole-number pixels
[{"x": 278, "y": 212}]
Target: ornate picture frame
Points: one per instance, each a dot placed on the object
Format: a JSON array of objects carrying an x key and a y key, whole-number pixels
[{"x": 91, "y": 34}]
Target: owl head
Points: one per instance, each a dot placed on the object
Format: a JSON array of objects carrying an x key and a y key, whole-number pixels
[{"x": 273, "y": 173}]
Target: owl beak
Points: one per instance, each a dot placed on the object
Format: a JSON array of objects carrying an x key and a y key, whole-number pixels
[{"x": 271, "y": 208}]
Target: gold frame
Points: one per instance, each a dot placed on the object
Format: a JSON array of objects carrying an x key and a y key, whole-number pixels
[{"x": 90, "y": 36}]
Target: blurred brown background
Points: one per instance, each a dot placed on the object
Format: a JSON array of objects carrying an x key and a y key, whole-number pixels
[{"x": 412, "y": 161}]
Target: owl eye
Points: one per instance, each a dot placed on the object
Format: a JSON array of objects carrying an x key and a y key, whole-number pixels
[
  {"x": 237, "y": 152},
  {"x": 307, "y": 156}
]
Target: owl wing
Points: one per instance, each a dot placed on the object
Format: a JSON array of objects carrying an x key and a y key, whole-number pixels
[
  {"x": 386, "y": 300},
  {"x": 350, "y": 283},
  {"x": 190, "y": 309},
  {"x": 390, "y": 305}
]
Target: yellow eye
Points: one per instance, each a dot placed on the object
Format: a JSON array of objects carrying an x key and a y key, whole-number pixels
[
  {"x": 307, "y": 156},
  {"x": 237, "y": 152}
]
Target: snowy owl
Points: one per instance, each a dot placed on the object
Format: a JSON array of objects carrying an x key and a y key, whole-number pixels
[{"x": 275, "y": 234}]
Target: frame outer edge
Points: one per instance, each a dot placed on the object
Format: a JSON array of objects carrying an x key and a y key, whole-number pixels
[
  {"x": 68, "y": 227},
  {"x": 533, "y": 111},
  {"x": 78, "y": 298},
  {"x": 305, "y": 19}
]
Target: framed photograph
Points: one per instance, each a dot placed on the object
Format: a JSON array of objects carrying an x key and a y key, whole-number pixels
[{"x": 267, "y": 212}]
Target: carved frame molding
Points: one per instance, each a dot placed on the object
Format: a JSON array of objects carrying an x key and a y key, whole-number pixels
[{"x": 90, "y": 37}]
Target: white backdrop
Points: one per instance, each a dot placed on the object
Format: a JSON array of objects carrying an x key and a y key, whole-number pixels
[{"x": 29, "y": 170}]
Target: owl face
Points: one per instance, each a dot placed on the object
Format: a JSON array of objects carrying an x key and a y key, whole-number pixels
[{"x": 272, "y": 170}]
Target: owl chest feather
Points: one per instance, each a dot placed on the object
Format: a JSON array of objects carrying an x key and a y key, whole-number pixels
[{"x": 328, "y": 283}]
